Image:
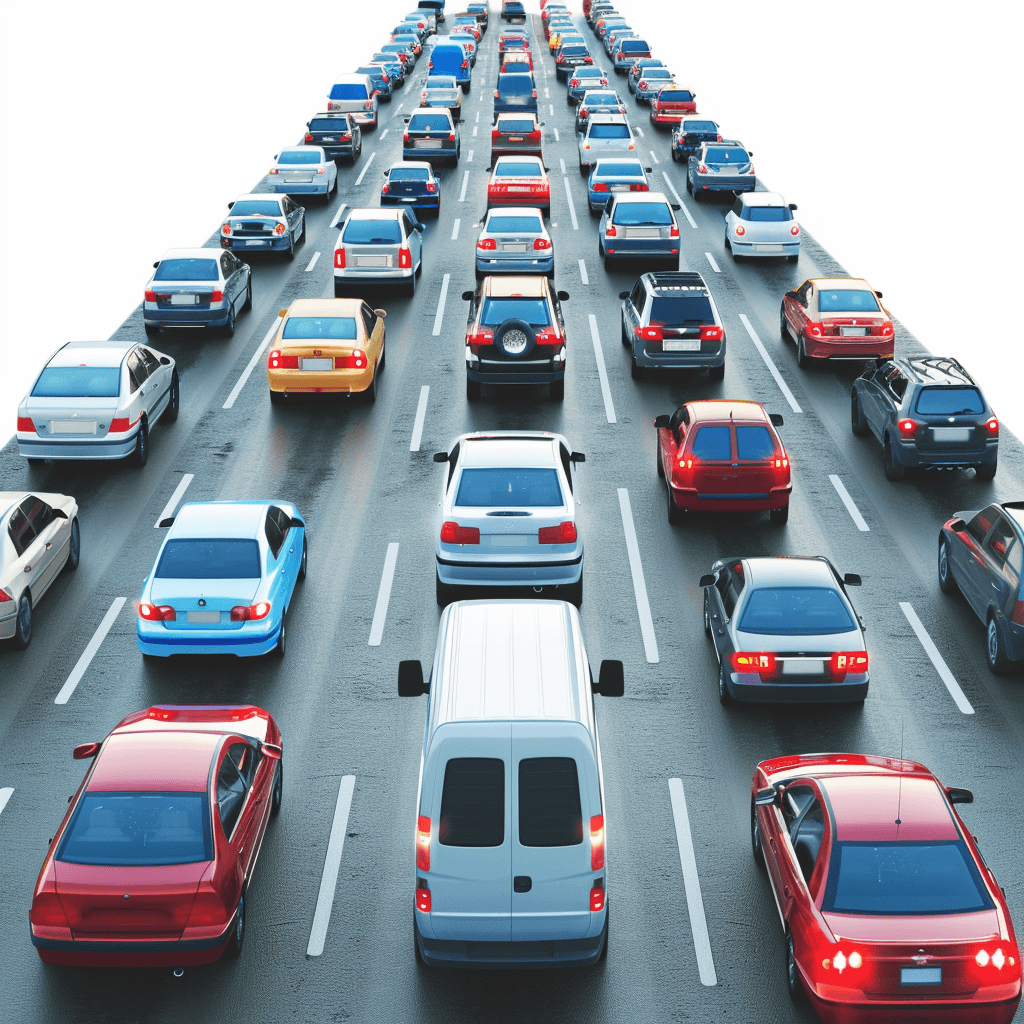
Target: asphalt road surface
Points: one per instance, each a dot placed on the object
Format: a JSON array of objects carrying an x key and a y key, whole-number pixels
[{"x": 364, "y": 479}]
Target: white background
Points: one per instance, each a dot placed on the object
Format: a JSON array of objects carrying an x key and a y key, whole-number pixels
[{"x": 128, "y": 127}]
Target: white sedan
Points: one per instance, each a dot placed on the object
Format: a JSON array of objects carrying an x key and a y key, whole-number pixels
[{"x": 304, "y": 170}]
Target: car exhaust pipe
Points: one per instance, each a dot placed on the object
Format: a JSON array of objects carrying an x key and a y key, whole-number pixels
[
  {"x": 538, "y": 590},
  {"x": 179, "y": 972}
]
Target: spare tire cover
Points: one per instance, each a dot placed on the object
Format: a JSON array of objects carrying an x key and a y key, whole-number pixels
[{"x": 515, "y": 338}]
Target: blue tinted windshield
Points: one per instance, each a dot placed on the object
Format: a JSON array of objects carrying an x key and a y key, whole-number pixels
[
  {"x": 796, "y": 611},
  {"x": 187, "y": 270},
  {"x": 372, "y": 232},
  {"x": 656, "y": 214},
  {"x": 514, "y": 169},
  {"x": 712, "y": 444},
  {"x": 533, "y": 311},
  {"x": 521, "y": 488},
  {"x": 299, "y": 156},
  {"x": 848, "y": 300},
  {"x": 330, "y": 328},
  {"x": 78, "y": 382},
  {"x": 257, "y": 208},
  {"x": 215, "y": 559},
  {"x": 609, "y": 131},
  {"x": 504, "y": 222},
  {"x": 950, "y": 402}
]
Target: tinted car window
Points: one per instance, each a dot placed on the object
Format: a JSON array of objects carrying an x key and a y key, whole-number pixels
[
  {"x": 504, "y": 222},
  {"x": 333, "y": 328},
  {"x": 904, "y": 878},
  {"x": 609, "y": 131},
  {"x": 215, "y": 559},
  {"x": 137, "y": 372},
  {"x": 754, "y": 443},
  {"x": 848, "y": 299},
  {"x": 379, "y": 232},
  {"x": 509, "y": 169},
  {"x": 515, "y": 66},
  {"x": 326, "y": 124},
  {"x": 232, "y": 786},
  {"x": 574, "y": 51},
  {"x": 39, "y": 514},
  {"x": 298, "y": 156},
  {"x": 700, "y": 126},
  {"x": 429, "y": 123},
  {"x": 274, "y": 533},
  {"x": 621, "y": 169},
  {"x": 675, "y": 96},
  {"x": 533, "y": 311},
  {"x": 950, "y": 402},
  {"x": 349, "y": 91},
  {"x": 138, "y": 829},
  {"x": 515, "y": 85},
  {"x": 768, "y": 214},
  {"x": 515, "y": 125},
  {"x": 78, "y": 382},
  {"x": 524, "y": 488},
  {"x": 796, "y": 611},
  {"x": 673, "y": 311},
  {"x": 997, "y": 545},
  {"x": 549, "y": 802},
  {"x": 726, "y": 155},
  {"x": 187, "y": 270},
  {"x": 656, "y": 214},
  {"x": 19, "y": 529},
  {"x": 712, "y": 443},
  {"x": 982, "y": 523},
  {"x": 473, "y": 802}
]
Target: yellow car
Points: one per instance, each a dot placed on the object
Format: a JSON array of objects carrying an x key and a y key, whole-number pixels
[
  {"x": 555, "y": 39},
  {"x": 327, "y": 345}
]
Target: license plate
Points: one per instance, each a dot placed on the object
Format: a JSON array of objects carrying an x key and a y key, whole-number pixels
[
  {"x": 328, "y": 138},
  {"x": 951, "y": 433},
  {"x": 519, "y": 188},
  {"x": 427, "y": 144},
  {"x": 206, "y": 617},
  {"x": 296, "y": 179},
  {"x": 72, "y": 426},
  {"x": 681, "y": 345},
  {"x": 370, "y": 261},
  {"x": 316, "y": 364},
  {"x": 792, "y": 667},
  {"x": 620, "y": 188},
  {"x": 920, "y": 975},
  {"x": 255, "y": 241},
  {"x": 498, "y": 540},
  {"x": 515, "y": 138},
  {"x": 763, "y": 247},
  {"x": 854, "y": 332},
  {"x": 644, "y": 233},
  {"x": 184, "y": 300}
]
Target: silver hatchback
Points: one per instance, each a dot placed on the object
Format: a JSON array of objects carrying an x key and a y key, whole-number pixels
[
  {"x": 514, "y": 240},
  {"x": 605, "y": 135},
  {"x": 378, "y": 246}
]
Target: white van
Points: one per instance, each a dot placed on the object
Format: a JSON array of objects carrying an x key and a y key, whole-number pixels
[
  {"x": 510, "y": 838},
  {"x": 355, "y": 95}
]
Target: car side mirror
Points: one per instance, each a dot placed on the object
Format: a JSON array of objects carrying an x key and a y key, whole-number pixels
[
  {"x": 271, "y": 750},
  {"x": 649, "y": 170},
  {"x": 164, "y": 361},
  {"x": 232, "y": 203},
  {"x": 410, "y": 679},
  {"x": 420, "y": 227},
  {"x": 295, "y": 522},
  {"x": 623, "y": 295},
  {"x": 957, "y": 524},
  {"x": 406, "y": 119},
  {"x": 157, "y": 264},
  {"x": 562, "y": 296},
  {"x": 776, "y": 419},
  {"x": 467, "y": 296},
  {"x": 676, "y": 206},
  {"x": 547, "y": 168},
  {"x": 276, "y": 155},
  {"x": 163, "y": 524},
  {"x": 382, "y": 313},
  {"x": 85, "y": 750},
  {"x": 612, "y": 682},
  {"x": 707, "y": 580},
  {"x": 851, "y": 579},
  {"x": 59, "y": 513},
  {"x": 792, "y": 206},
  {"x": 386, "y": 173},
  {"x": 959, "y": 796},
  {"x": 765, "y": 797},
  {"x": 750, "y": 152},
  {"x": 440, "y": 456},
  {"x": 282, "y": 312},
  {"x": 577, "y": 457},
  {"x": 878, "y": 295},
  {"x": 662, "y": 423}
]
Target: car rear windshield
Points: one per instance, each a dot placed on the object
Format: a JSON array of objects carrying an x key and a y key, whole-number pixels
[
  {"x": 499, "y": 222},
  {"x": 473, "y": 802},
  {"x": 602, "y": 99},
  {"x": 681, "y": 311},
  {"x": 619, "y": 170},
  {"x": 441, "y": 82},
  {"x": 329, "y": 124},
  {"x": 549, "y": 802},
  {"x": 349, "y": 91},
  {"x": 574, "y": 51},
  {"x": 692, "y": 127},
  {"x": 220, "y": 558},
  {"x": 675, "y": 96},
  {"x": 366, "y": 69},
  {"x": 430, "y": 123},
  {"x": 515, "y": 85},
  {"x": 256, "y": 208},
  {"x": 726, "y": 155},
  {"x": 372, "y": 232},
  {"x": 186, "y": 270},
  {"x": 513, "y": 66},
  {"x": 767, "y": 214},
  {"x": 410, "y": 174},
  {"x": 754, "y": 443},
  {"x": 634, "y": 45},
  {"x": 512, "y": 487},
  {"x": 610, "y": 131},
  {"x": 796, "y": 611},
  {"x": 950, "y": 402},
  {"x": 328, "y": 328},
  {"x": 904, "y": 878},
  {"x": 299, "y": 156},
  {"x": 657, "y": 214},
  {"x": 516, "y": 125},
  {"x": 78, "y": 382},
  {"x": 712, "y": 444},
  {"x": 848, "y": 300},
  {"x": 514, "y": 169},
  {"x": 123, "y": 829},
  {"x": 533, "y": 311}
]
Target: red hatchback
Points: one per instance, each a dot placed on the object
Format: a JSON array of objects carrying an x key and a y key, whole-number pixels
[
  {"x": 150, "y": 865},
  {"x": 519, "y": 181},
  {"x": 720, "y": 455},
  {"x": 889, "y": 911}
]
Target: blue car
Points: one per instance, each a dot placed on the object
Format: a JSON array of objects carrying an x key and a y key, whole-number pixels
[
  {"x": 612, "y": 175},
  {"x": 223, "y": 580},
  {"x": 380, "y": 77},
  {"x": 724, "y": 166},
  {"x": 391, "y": 63},
  {"x": 411, "y": 183}
]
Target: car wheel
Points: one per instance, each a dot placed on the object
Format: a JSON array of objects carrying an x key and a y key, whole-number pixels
[
  {"x": 278, "y": 397},
  {"x": 986, "y": 472},
  {"x": 893, "y": 470},
  {"x": 696, "y": 194},
  {"x": 724, "y": 696},
  {"x": 23, "y": 625},
  {"x": 947, "y": 584},
  {"x": 75, "y": 547},
  {"x": 717, "y": 372},
  {"x": 444, "y": 592},
  {"x": 783, "y": 324},
  {"x": 998, "y": 663},
  {"x": 229, "y": 327},
  {"x": 636, "y": 371},
  {"x": 857, "y": 422},
  {"x": 34, "y": 462},
  {"x": 174, "y": 402},
  {"x": 728, "y": 246},
  {"x": 584, "y": 169},
  {"x": 278, "y": 795},
  {"x": 623, "y": 334},
  {"x": 410, "y": 288},
  {"x": 151, "y": 330},
  {"x": 290, "y": 252},
  {"x": 573, "y": 593},
  {"x": 234, "y": 946},
  {"x": 339, "y": 289},
  {"x": 793, "y": 258},
  {"x": 301, "y": 238},
  {"x": 369, "y": 396},
  {"x": 675, "y": 513},
  {"x": 556, "y": 390},
  {"x": 305, "y": 558},
  {"x": 140, "y": 456},
  {"x": 282, "y": 643},
  {"x": 779, "y": 516},
  {"x": 707, "y": 615},
  {"x": 802, "y": 359},
  {"x": 755, "y": 834},
  {"x": 472, "y": 390},
  {"x": 792, "y": 971},
  {"x": 675, "y": 155}
]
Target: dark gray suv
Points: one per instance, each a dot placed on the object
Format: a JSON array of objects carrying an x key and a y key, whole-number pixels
[{"x": 928, "y": 412}]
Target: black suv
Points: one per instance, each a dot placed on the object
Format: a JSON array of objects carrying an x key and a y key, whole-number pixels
[
  {"x": 670, "y": 321},
  {"x": 338, "y": 134},
  {"x": 691, "y": 132},
  {"x": 928, "y": 412}
]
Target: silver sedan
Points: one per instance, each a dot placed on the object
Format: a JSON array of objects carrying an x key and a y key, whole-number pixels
[
  {"x": 304, "y": 170},
  {"x": 39, "y": 536},
  {"x": 196, "y": 288},
  {"x": 514, "y": 240}
]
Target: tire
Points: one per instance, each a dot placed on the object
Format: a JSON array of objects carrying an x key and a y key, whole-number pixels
[
  {"x": 793, "y": 984},
  {"x": 410, "y": 288},
  {"x": 755, "y": 835},
  {"x": 75, "y": 547},
  {"x": 947, "y": 582},
  {"x": 369, "y": 396},
  {"x": 802, "y": 359},
  {"x": 675, "y": 155},
  {"x": 724, "y": 696},
  {"x": 339, "y": 289},
  {"x": 728, "y": 246},
  {"x": 444, "y": 592},
  {"x": 624, "y": 336},
  {"x": 584, "y": 170},
  {"x": 707, "y": 617},
  {"x": 995, "y": 651},
  {"x": 857, "y": 422},
  {"x": 556, "y": 390},
  {"x": 140, "y": 455},
  {"x": 783, "y": 324},
  {"x": 278, "y": 397},
  {"x": 696, "y": 194},
  {"x": 151, "y": 330},
  {"x": 657, "y": 458},
  {"x": 229, "y": 327},
  {"x": 301, "y": 238},
  {"x": 237, "y": 938},
  {"x": 689, "y": 185},
  {"x": 779, "y": 516},
  {"x": 305, "y": 558},
  {"x": 636, "y": 371},
  {"x": 278, "y": 794},
  {"x": 282, "y": 641},
  {"x": 34, "y": 462},
  {"x": 519, "y": 327},
  {"x": 290, "y": 252},
  {"x": 675, "y": 513},
  {"x": 893, "y": 470},
  {"x": 717, "y": 372},
  {"x": 173, "y": 403},
  {"x": 986, "y": 472},
  {"x": 793, "y": 259},
  {"x": 573, "y": 593},
  {"x": 472, "y": 390},
  {"x": 23, "y": 624}
]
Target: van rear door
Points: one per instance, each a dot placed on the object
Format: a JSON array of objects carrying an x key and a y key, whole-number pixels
[{"x": 556, "y": 793}]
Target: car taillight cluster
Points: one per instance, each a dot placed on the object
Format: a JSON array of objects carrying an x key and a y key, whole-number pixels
[
  {"x": 356, "y": 361},
  {"x": 250, "y": 612},
  {"x": 276, "y": 361},
  {"x": 597, "y": 842},
  {"x": 405, "y": 258},
  {"x": 278, "y": 229},
  {"x": 216, "y": 295},
  {"x": 673, "y": 232},
  {"x": 423, "y": 843},
  {"x": 273, "y": 170},
  {"x": 1018, "y": 613},
  {"x": 992, "y": 425},
  {"x": 601, "y": 186},
  {"x": 431, "y": 187},
  {"x": 711, "y": 332},
  {"x": 610, "y": 230},
  {"x": 997, "y": 959},
  {"x": 487, "y": 243},
  {"x": 339, "y": 258},
  {"x": 781, "y": 463},
  {"x": 151, "y": 296},
  {"x": 423, "y": 901},
  {"x": 119, "y": 424},
  {"x": 156, "y": 613},
  {"x": 848, "y": 661},
  {"x": 453, "y": 533},
  {"x": 225, "y": 229},
  {"x": 26, "y": 423},
  {"x": 740, "y": 229},
  {"x": 563, "y": 533},
  {"x": 794, "y": 230},
  {"x": 308, "y": 138},
  {"x": 540, "y": 244},
  {"x": 405, "y": 137},
  {"x": 907, "y": 428},
  {"x": 840, "y": 961},
  {"x": 385, "y": 188},
  {"x": 762, "y": 662},
  {"x": 650, "y": 333}
]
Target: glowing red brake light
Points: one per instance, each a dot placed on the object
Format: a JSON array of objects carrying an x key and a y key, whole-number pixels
[
  {"x": 563, "y": 533},
  {"x": 356, "y": 361},
  {"x": 339, "y": 258},
  {"x": 156, "y": 613},
  {"x": 600, "y": 186},
  {"x": 907, "y": 428},
  {"x": 494, "y": 134},
  {"x": 25, "y": 423},
  {"x": 216, "y": 295},
  {"x": 711, "y": 332},
  {"x": 761, "y": 662},
  {"x": 794, "y": 230},
  {"x": 487, "y": 243},
  {"x": 423, "y": 844},
  {"x": 150, "y": 296},
  {"x": 278, "y": 229},
  {"x": 453, "y": 533},
  {"x": 648, "y": 333},
  {"x": 276, "y": 361},
  {"x": 423, "y": 901},
  {"x": 852, "y": 661},
  {"x": 308, "y": 137},
  {"x": 541, "y": 243},
  {"x": 597, "y": 845},
  {"x": 993, "y": 426},
  {"x": 610, "y": 231},
  {"x": 119, "y": 424},
  {"x": 250, "y": 612}
]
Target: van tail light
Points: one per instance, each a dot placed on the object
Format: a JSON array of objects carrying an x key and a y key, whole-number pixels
[
  {"x": 648, "y": 333},
  {"x": 156, "y": 613},
  {"x": 907, "y": 428},
  {"x": 207, "y": 909},
  {"x": 404, "y": 257},
  {"x": 150, "y": 295},
  {"x": 673, "y": 232},
  {"x": 711, "y": 332},
  {"x": 276, "y": 361},
  {"x": 844, "y": 662},
  {"x": 216, "y": 295},
  {"x": 740, "y": 229},
  {"x": 339, "y": 258},
  {"x": 423, "y": 901},
  {"x": 762, "y": 662},
  {"x": 422, "y": 844},
  {"x": 278, "y": 229},
  {"x": 993, "y": 427},
  {"x": 119, "y": 424},
  {"x": 453, "y": 533},
  {"x": 26, "y": 423},
  {"x": 250, "y": 612},
  {"x": 308, "y": 138},
  {"x": 487, "y": 243},
  {"x": 431, "y": 187},
  {"x": 225, "y": 229},
  {"x": 610, "y": 231},
  {"x": 356, "y": 361},
  {"x": 794, "y": 230},
  {"x": 597, "y": 842},
  {"x": 563, "y": 533},
  {"x": 541, "y": 243}
]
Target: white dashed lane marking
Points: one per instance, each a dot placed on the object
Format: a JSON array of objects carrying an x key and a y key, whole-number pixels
[
  {"x": 439, "y": 316},
  {"x": 714, "y": 265},
  {"x": 171, "y": 505},
  {"x": 421, "y": 413},
  {"x": 332, "y": 864},
  {"x": 643, "y": 605},
  {"x": 366, "y": 167},
  {"x": 236, "y": 390},
  {"x": 602, "y": 373},
  {"x": 455, "y": 228},
  {"x": 312, "y": 263},
  {"x": 937, "y": 660},
  {"x": 686, "y": 212},
  {"x": 848, "y": 502},
  {"x": 90, "y": 652},
  {"x": 380, "y": 612},
  {"x": 583, "y": 273},
  {"x": 465, "y": 183},
  {"x": 772, "y": 368}
]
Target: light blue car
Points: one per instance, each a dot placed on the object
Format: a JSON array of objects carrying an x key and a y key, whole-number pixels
[{"x": 223, "y": 580}]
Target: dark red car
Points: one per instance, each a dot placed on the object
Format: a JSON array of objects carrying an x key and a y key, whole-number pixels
[
  {"x": 721, "y": 455},
  {"x": 671, "y": 105},
  {"x": 150, "y": 865},
  {"x": 889, "y": 911}
]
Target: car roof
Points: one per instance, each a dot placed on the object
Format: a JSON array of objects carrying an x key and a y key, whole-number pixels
[
  {"x": 431, "y": 112},
  {"x": 221, "y": 719},
  {"x": 762, "y": 199},
  {"x": 196, "y": 253},
  {"x": 516, "y": 449},
  {"x": 325, "y": 307},
  {"x": 609, "y": 160},
  {"x": 726, "y": 409},
  {"x": 640, "y": 197},
  {"x": 533, "y": 160},
  {"x": 514, "y": 287},
  {"x": 94, "y": 353},
  {"x": 420, "y": 165},
  {"x": 216, "y": 519},
  {"x": 155, "y": 761},
  {"x": 789, "y": 571},
  {"x": 936, "y": 370},
  {"x": 665, "y": 281},
  {"x": 515, "y": 211},
  {"x": 531, "y": 114},
  {"x": 865, "y": 808},
  {"x": 834, "y": 284},
  {"x": 261, "y": 196},
  {"x": 375, "y": 213}
]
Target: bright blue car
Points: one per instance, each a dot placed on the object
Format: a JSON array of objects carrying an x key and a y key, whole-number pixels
[{"x": 223, "y": 580}]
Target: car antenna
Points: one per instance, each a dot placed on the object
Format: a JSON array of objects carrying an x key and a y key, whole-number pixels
[{"x": 899, "y": 797}]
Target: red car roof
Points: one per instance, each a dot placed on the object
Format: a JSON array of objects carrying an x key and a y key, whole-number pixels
[
  {"x": 155, "y": 761},
  {"x": 865, "y": 808}
]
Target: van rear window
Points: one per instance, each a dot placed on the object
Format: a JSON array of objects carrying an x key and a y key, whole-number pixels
[
  {"x": 349, "y": 91},
  {"x": 549, "y": 802},
  {"x": 473, "y": 802}
]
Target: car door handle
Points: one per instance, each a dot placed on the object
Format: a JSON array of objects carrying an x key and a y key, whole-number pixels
[
  {"x": 522, "y": 883},
  {"x": 786, "y": 892}
]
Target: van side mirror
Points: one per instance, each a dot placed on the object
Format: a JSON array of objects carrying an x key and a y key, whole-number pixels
[
  {"x": 410, "y": 679},
  {"x": 85, "y": 750},
  {"x": 851, "y": 579},
  {"x": 662, "y": 423},
  {"x": 776, "y": 419},
  {"x": 467, "y": 296},
  {"x": 959, "y": 796},
  {"x": 612, "y": 680},
  {"x": 577, "y": 457},
  {"x": 440, "y": 456},
  {"x": 707, "y": 580},
  {"x": 765, "y": 797}
]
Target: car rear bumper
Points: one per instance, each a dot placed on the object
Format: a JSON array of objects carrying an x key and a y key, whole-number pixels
[
  {"x": 162, "y": 642},
  {"x": 311, "y": 381},
  {"x": 314, "y": 188},
  {"x": 116, "y": 448},
  {"x": 758, "y": 248},
  {"x": 688, "y": 499},
  {"x": 913, "y": 457},
  {"x": 8, "y": 623},
  {"x": 186, "y": 317},
  {"x": 427, "y": 202},
  {"x": 553, "y": 572},
  {"x": 678, "y": 360},
  {"x": 849, "y": 348},
  {"x": 87, "y": 953},
  {"x": 254, "y": 243},
  {"x": 509, "y": 265},
  {"x": 745, "y": 184},
  {"x": 533, "y": 200},
  {"x": 512, "y": 150},
  {"x": 976, "y": 1010},
  {"x": 642, "y": 248},
  {"x": 365, "y": 118},
  {"x": 540, "y": 375},
  {"x": 368, "y": 275},
  {"x": 333, "y": 152},
  {"x": 747, "y": 687},
  {"x": 667, "y": 117}
]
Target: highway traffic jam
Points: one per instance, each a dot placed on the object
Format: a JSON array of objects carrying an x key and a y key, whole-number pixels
[{"x": 286, "y": 444}]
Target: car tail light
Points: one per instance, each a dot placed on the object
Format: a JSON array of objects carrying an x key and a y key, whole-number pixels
[
  {"x": 794, "y": 230},
  {"x": 496, "y": 94},
  {"x": 886, "y": 328},
  {"x": 423, "y": 899},
  {"x": 308, "y": 137},
  {"x": 998, "y": 959},
  {"x": 430, "y": 65},
  {"x": 992, "y": 425},
  {"x": 494, "y": 134},
  {"x": 701, "y": 169},
  {"x": 583, "y": 113},
  {"x": 276, "y": 361},
  {"x": 453, "y": 533},
  {"x": 852, "y": 661},
  {"x": 119, "y": 424},
  {"x": 405, "y": 137},
  {"x": 404, "y": 257},
  {"x": 368, "y": 105},
  {"x": 278, "y": 229},
  {"x": 423, "y": 843},
  {"x": 781, "y": 463},
  {"x": 600, "y": 187},
  {"x": 762, "y": 662},
  {"x": 321, "y": 170},
  {"x": 673, "y": 232},
  {"x": 431, "y": 187},
  {"x": 815, "y": 330},
  {"x": 740, "y": 229},
  {"x": 150, "y": 296},
  {"x": 347, "y": 137},
  {"x": 250, "y": 612},
  {"x": 541, "y": 243},
  {"x": 648, "y": 333},
  {"x": 385, "y": 188},
  {"x": 535, "y": 134},
  {"x": 156, "y": 613},
  {"x": 643, "y": 85},
  {"x": 465, "y": 64},
  {"x": 487, "y": 243},
  {"x": 339, "y": 258},
  {"x": 1018, "y": 613},
  {"x": 597, "y": 842},
  {"x": 216, "y": 295},
  {"x": 26, "y": 423},
  {"x": 47, "y": 911},
  {"x": 711, "y": 332},
  {"x": 273, "y": 170},
  {"x": 225, "y": 229},
  {"x": 632, "y": 145},
  {"x": 719, "y": 139},
  {"x": 610, "y": 231},
  {"x": 687, "y": 464},
  {"x": 207, "y": 909},
  {"x": 907, "y": 428},
  {"x": 356, "y": 361},
  {"x": 840, "y": 961},
  {"x": 563, "y": 533},
  {"x": 4, "y": 597}
]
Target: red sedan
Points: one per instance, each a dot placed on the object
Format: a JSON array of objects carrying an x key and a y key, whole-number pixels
[
  {"x": 889, "y": 911},
  {"x": 150, "y": 865},
  {"x": 519, "y": 181},
  {"x": 721, "y": 455}
]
